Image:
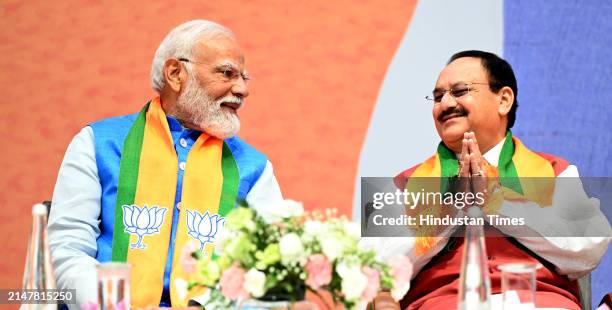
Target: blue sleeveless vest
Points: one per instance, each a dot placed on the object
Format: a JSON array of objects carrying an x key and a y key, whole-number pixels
[{"x": 109, "y": 135}]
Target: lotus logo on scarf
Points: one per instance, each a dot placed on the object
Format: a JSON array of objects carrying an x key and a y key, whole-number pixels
[
  {"x": 203, "y": 227},
  {"x": 142, "y": 221}
]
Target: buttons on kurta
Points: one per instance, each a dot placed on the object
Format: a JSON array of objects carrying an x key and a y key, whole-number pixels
[
  {"x": 182, "y": 165},
  {"x": 183, "y": 142}
]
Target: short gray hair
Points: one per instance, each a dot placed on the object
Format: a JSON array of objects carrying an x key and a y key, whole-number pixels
[{"x": 180, "y": 43}]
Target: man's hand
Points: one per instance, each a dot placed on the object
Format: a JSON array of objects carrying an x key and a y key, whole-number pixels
[
  {"x": 478, "y": 165},
  {"x": 464, "y": 185},
  {"x": 472, "y": 166}
]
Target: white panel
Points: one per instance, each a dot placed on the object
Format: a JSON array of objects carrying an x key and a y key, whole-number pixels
[{"x": 401, "y": 131}]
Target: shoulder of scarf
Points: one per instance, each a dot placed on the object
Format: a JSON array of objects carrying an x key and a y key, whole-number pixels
[
  {"x": 558, "y": 163},
  {"x": 241, "y": 149},
  {"x": 401, "y": 179}
]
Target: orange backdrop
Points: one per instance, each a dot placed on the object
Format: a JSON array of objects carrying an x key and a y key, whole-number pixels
[{"x": 317, "y": 68}]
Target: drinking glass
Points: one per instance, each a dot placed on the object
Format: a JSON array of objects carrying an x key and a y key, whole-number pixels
[
  {"x": 113, "y": 286},
  {"x": 518, "y": 285}
]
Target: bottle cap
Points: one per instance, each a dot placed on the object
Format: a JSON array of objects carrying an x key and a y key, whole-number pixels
[{"x": 39, "y": 209}]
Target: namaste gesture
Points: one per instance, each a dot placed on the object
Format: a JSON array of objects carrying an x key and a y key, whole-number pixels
[{"x": 472, "y": 166}]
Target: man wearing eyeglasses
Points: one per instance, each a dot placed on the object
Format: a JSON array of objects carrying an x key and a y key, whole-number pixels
[
  {"x": 474, "y": 107},
  {"x": 138, "y": 188}
]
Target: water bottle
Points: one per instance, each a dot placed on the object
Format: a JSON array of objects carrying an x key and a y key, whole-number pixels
[{"x": 38, "y": 273}]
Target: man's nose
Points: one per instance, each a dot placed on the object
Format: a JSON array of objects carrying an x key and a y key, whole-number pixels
[
  {"x": 240, "y": 88},
  {"x": 447, "y": 101}
]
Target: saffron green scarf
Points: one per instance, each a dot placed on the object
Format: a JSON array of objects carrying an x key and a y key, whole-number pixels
[
  {"x": 517, "y": 167},
  {"x": 146, "y": 196}
]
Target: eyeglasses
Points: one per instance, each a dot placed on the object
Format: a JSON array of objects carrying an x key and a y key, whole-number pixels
[
  {"x": 457, "y": 91},
  {"x": 227, "y": 71}
]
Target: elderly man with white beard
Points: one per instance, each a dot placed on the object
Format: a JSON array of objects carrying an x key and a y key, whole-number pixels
[{"x": 137, "y": 188}]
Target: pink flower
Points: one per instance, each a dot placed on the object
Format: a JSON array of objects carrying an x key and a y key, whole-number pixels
[
  {"x": 401, "y": 271},
  {"x": 232, "y": 283},
  {"x": 373, "y": 283},
  {"x": 121, "y": 305},
  {"x": 401, "y": 268},
  {"x": 319, "y": 271},
  {"x": 90, "y": 305},
  {"x": 188, "y": 262}
]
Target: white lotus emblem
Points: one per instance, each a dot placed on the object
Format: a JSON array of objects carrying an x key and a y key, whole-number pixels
[
  {"x": 203, "y": 227},
  {"x": 142, "y": 221}
]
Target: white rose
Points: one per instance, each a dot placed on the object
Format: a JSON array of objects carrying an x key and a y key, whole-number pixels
[
  {"x": 313, "y": 227},
  {"x": 400, "y": 291},
  {"x": 352, "y": 230},
  {"x": 254, "y": 282},
  {"x": 354, "y": 282},
  {"x": 332, "y": 247},
  {"x": 284, "y": 209},
  {"x": 314, "y": 230},
  {"x": 291, "y": 248},
  {"x": 222, "y": 238},
  {"x": 180, "y": 286}
]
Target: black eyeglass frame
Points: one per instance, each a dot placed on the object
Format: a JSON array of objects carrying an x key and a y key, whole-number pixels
[
  {"x": 455, "y": 93},
  {"x": 228, "y": 71}
]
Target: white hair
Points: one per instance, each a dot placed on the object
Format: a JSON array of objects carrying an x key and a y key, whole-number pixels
[{"x": 180, "y": 43}]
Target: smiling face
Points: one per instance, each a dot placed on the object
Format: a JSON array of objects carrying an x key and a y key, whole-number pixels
[
  {"x": 215, "y": 88},
  {"x": 477, "y": 109}
]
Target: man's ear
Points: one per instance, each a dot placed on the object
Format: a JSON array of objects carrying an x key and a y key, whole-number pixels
[
  {"x": 506, "y": 100},
  {"x": 174, "y": 74}
]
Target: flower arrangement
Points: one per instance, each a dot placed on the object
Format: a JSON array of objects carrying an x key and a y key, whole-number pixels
[{"x": 279, "y": 255}]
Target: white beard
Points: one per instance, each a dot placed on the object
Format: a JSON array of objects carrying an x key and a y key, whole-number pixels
[{"x": 196, "y": 107}]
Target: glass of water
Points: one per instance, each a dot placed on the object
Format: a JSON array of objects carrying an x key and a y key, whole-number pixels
[
  {"x": 519, "y": 285},
  {"x": 113, "y": 286}
]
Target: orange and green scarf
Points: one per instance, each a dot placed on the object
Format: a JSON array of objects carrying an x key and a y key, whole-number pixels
[
  {"x": 147, "y": 178},
  {"x": 516, "y": 171}
]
